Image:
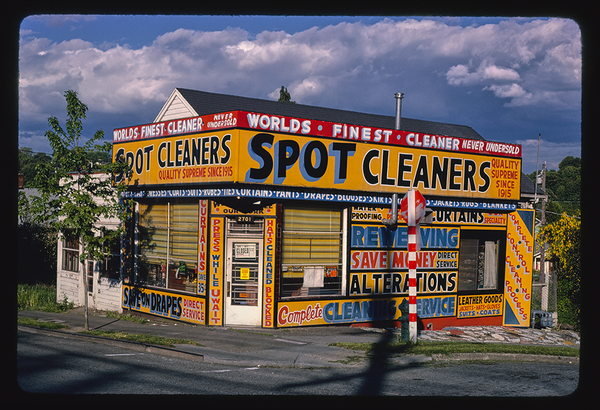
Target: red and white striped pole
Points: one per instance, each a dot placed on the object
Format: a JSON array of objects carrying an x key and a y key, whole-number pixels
[
  {"x": 413, "y": 210},
  {"x": 413, "y": 248}
]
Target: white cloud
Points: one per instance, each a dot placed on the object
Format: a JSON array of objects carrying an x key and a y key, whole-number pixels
[
  {"x": 460, "y": 75},
  {"x": 509, "y": 91},
  {"x": 309, "y": 86},
  {"x": 493, "y": 72},
  {"x": 489, "y": 55},
  {"x": 344, "y": 66},
  {"x": 539, "y": 59}
]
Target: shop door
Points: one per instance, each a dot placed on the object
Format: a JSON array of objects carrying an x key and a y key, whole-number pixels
[{"x": 244, "y": 282}]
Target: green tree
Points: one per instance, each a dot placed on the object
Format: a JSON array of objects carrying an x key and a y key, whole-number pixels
[
  {"x": 563, "y": 238},
  {"x": 569, "y": 188},
  {"x": 36, "y": 243},
  {"x": 284, "y": 95},
  {"x": 563, "y": 187},
  {"x": 570, "y": 161},
  {"x": 28, "y": 160},
  {"x": 76, "y": 193}
]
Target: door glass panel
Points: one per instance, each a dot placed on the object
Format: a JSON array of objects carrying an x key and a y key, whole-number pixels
[{"x": 244, "y": 274}]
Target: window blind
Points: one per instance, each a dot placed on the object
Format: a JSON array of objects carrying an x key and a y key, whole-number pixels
[
  {"x": 184, "y": 232},
  {"x": 153, "y": 230},
  {"x": 311, "y": 237}
]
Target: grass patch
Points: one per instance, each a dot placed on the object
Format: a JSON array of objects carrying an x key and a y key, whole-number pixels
[
  {"x": 251, "y": 332},
  {"x": 128, "y": 317},
  {"x": 349, "y": 360},
  {"x": 148, "y": 339},
  {"x": 30, "y": 321},
  {"x": 447, "y": 348},
  {"x": 40, "y": 297}
]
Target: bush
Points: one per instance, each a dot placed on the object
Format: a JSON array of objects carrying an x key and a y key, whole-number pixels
[
  {"x": 569, "y": 303},
  {"x": 36, "y": 256},
  {"x": 40, "y": 297},
  {"x": 564, "y": 240}
]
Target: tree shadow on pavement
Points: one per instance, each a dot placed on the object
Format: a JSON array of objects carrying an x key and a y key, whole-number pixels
[{"x": 373, "y": 376}]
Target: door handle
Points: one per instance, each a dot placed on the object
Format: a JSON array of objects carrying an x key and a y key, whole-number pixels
[{"x": 228, "y": 286}]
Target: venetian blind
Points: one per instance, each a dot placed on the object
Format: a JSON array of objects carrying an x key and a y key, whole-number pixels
[
  {"x": 311, "y": 237},
  {"x": 153, "y": 230},
  {"x": 184, "y": 232}
]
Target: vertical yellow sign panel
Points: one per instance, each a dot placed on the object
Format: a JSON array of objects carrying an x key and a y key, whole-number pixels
[
  {"x": 202, "y": 246},
  {"x": 269, "y": 276},
  {"x": 216, "y": 269},
  {"x": 519, "y": 268}
]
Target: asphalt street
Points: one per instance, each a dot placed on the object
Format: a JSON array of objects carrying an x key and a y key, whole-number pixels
[
  {"x": 300, "y": 346},
  {"x": 54, "y": 364}
]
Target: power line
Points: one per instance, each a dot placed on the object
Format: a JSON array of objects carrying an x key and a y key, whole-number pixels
[{"x": 556, "y": 213}]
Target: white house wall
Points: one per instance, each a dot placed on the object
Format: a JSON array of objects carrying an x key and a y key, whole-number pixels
[
  {"x": 107, "y": 292},
  {"x": 67, "y": 285},
  {"x": 107, "y": 295}
]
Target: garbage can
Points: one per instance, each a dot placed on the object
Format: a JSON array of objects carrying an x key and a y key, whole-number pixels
[{"x": 540, "y": 319}]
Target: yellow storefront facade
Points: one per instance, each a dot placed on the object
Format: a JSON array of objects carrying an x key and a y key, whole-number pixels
[{"x": 243, "y": 217}]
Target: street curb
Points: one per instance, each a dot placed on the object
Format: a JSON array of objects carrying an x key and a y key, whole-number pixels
[
  {"x": 137, "y": 346},
  {"x": 517, "y": 357},
  {"x": 182, "y": 354}
]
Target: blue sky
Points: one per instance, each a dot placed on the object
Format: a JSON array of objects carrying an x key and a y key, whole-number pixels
[{"x": 508, "y": 78}]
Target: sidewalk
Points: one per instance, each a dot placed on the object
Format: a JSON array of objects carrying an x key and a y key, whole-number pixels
[{"x": 290, "y": 347}]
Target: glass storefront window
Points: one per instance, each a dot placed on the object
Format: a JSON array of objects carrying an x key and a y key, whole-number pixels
[
  {"x": 168, "y": 245},
  {"x": 478, "y": 261},
  {"x": 311, "y": 252}
]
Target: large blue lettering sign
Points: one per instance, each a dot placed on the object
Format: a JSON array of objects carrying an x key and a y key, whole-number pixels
[{"x": 382, "y": 237}]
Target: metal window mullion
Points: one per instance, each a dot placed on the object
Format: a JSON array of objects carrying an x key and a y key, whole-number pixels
[
  {"x": 344, "y": 250},
  {"x": 168, "y": 244}
]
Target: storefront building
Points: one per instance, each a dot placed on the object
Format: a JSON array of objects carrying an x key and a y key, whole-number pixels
[{"x": 253, "y": 212}]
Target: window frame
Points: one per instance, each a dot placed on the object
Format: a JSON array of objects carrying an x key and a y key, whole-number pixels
[
  {"x": 482, "y": 236},
  {"x": 167, "y": 267},
  {"x": 71, "y": 249},
  {"x": 293, "y": 270},
  {"x": 112, "y": 257}
]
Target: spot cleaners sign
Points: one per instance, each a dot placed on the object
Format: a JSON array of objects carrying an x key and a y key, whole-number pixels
[{"x": 250, "y": 157}]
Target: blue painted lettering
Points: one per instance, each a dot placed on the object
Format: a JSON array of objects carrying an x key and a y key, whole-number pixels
[
  {"x": 347, "y": 312},
  {"x": 435, "y": 306}
]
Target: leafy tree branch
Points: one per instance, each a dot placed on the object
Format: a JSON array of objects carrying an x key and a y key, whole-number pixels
[{"x": 78, "y": 195}]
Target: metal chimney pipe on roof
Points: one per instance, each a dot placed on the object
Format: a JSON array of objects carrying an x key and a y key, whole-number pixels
[
  {"x": 399, "y": 97},
  {"x": 392, "y": 222}
]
